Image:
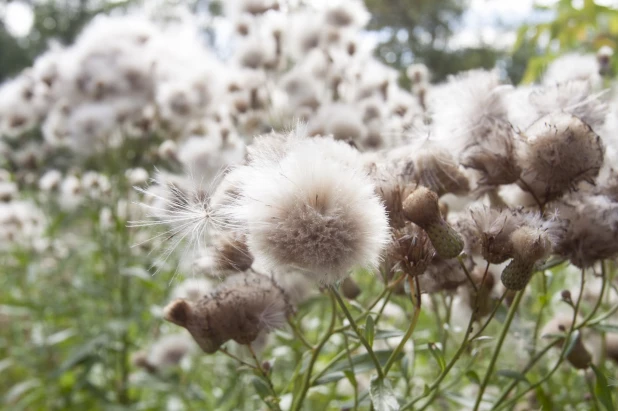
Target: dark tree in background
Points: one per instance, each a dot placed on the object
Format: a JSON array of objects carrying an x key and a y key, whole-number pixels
[{"x": 418, "y": 31}]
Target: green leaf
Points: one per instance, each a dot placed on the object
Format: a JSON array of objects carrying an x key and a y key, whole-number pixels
[
  {"x": 83, "y": 353},
  {"x": 369, "y": 330},
  {"x": 543, "y": 399},
  {"x": 19, "y": 389},
  {"x": 351, "y": 377},
  {"x": 601, "y": 389},
  {"x": 513, "y": 375},
  {"x": 386, "y": 334},
  {"x": 437, "y": 354},
  {"x": 261, "y": 387},
  {"x": 473, "y": 377},
  {"x": 382, "y": 395}
]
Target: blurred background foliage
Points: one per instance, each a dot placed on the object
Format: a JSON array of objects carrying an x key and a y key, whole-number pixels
[
  {"x": 409, "y": 31},
  {"x": 584, "y": 27}
]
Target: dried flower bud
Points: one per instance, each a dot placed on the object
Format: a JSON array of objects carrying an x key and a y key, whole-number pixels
[
  {"x": 410, "y": 251},
  {"x": 494, "y": 227},
  {"x": 350, "y": 289},
  {"x": 437, "y": 170},
  {"x": 421, "y": 207},
  {"x": 238, "y": 310},
  {"x": 529, "y": 246},
  {"x": 560, "y": 151},
  {"x": 444, "y": 275},
  {"x": 229, "y": 254},
  {"x": 140, "y": 359},
  {"x": 266, "y": 366},
  {"x": 579, "y": 357},
  {"x": 566, "y": 296}
]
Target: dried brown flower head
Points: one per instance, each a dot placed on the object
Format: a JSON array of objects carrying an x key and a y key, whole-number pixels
[
  {"x": 239, "y": 310},
  {"x": 560, "y": 151}
]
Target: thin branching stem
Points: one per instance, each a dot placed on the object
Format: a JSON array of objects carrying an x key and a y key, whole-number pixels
[
  {"x": 498, "y": 348},
  {"x": 563, "y": 353},
  {"x": 360, "y": 335},
  {"x": 415, "y": 293},
  {"x": 298, "y": 402}
]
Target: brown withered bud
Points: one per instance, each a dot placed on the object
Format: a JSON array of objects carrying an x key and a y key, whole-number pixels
[
  {"x": 421, "y": 207},
  {"x": 437, "y": 170},
  {"x": 140, "y": 359},
  {"x": 410, "y": 250},
  {"x": 579, "y": 357},
  {"x": 566, "y": 296},
  {"x": 560, "y": 151},
  {"x": 493, "y": 156},
  {"x": 444, "y": 275},
  {"x": 494, "y": 228},
  {"x": 228, "y": 255},
  {"x": 240, "y": 309},
  {"x": 350, "y": 289}
]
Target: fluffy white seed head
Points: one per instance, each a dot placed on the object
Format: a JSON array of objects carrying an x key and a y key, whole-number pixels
[{"x": 313, "y": 213}]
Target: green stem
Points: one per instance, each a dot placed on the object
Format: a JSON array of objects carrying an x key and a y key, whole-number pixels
[
  {"x": 258, "y": 367},
  {"x": 460, "y": 351},
  {"x": 562, "y": 353},
  {"x": 465, "y": 269},
  {"x": 539, "y": 317},
  {"x": 336, "y": 358},
  {"x": 504, "y": 332},
  {"x": 527, "y": 368},
  {"x": 387, "y": 291},
  {"x": 415, "y": 293},
  {"x": 299, "y": 334},
  {"x": 351, "y": 364},
  {"x": 360, "y": 335},
  {"x": 298, "y": 402}
]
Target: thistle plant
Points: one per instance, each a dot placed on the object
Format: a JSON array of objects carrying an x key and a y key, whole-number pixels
[{"x": 283, "y": 226}]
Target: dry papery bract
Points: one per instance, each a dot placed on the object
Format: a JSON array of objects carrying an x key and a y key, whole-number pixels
[{"x": 239, "y": 309}]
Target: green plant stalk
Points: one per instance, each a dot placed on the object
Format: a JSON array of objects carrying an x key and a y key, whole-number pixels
[
  {"x": 351, "y": 363},
  {"x": 593, "y": 395},
  {"x": 458, "y": 353},
  {"x": 539, "y": 318},
  {"x": 298, "y": 402},
  {"x": 527, "y": 368},
  {"x": 417, "y": 310},
  {"x": 258, "y": 367},
  {"x": 360, "y": 335},
  {"x": 562, "y": 353},
  {"x": 298, "y": 333},
  {"x": 336, "y": 358},
  {"x": 600, "y": 299},
  {"x": 387, "y": 291},
  {"x": 448, "y": 308},
  {"x": 498, "y": 348},
  {"x": 465, "y": 269}
]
